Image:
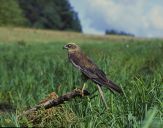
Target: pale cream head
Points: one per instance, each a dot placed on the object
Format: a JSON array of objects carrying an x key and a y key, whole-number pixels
[{"x": 72, "y": 47}]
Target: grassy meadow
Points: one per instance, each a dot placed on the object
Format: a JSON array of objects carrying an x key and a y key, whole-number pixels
[{"x": 33, "y": 64}]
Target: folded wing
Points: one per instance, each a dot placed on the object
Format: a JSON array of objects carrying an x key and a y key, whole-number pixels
[{"x": 90, "y": 69}]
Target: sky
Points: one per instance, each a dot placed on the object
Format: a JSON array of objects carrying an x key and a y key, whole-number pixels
[{"x": 143, "y": 18}]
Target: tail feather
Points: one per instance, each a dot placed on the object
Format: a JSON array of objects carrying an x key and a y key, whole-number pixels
[{"x": 113, "y": 87}]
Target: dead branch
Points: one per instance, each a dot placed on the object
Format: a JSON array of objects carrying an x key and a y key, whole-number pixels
[{"x": 46, "y": 104}]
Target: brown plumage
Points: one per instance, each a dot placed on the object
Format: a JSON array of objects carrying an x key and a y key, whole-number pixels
[{"x": 88, "y": 68}]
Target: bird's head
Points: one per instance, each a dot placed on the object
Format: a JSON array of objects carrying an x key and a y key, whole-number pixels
[{"x": 72, "y": 47}]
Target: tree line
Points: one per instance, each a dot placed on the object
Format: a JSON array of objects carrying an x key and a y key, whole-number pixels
[
  {"x": 116, "y": 32},
  {"x": 45, "y": 14}
]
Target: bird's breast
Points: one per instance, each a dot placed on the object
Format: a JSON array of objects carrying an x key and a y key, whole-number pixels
[{"x": 75, "y": 59}]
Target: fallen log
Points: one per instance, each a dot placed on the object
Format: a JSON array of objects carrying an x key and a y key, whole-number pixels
[{"x": 49, "y": 103}]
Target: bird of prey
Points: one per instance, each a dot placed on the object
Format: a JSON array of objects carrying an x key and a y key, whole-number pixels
[{"x": 90, "y": 70}]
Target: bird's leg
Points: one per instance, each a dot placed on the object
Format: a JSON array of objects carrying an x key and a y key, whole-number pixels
[
  {"x": 84, "y": 79},
  {"x": 83, "y": 88},
  {"x": 102, "y": 96}
]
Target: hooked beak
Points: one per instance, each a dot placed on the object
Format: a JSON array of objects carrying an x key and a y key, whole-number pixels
[{"x": 65, "y": 47}]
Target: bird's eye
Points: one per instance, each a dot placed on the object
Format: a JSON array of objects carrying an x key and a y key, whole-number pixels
[{"x": 69, "y": 45}]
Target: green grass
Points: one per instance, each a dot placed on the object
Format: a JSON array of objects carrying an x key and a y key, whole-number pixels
[{"x": 30, "y": 71}]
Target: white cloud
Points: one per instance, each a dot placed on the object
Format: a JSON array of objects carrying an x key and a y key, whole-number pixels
[
  {"x": 156, "y": 17},
  {"x": 140, "y": 17}
]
